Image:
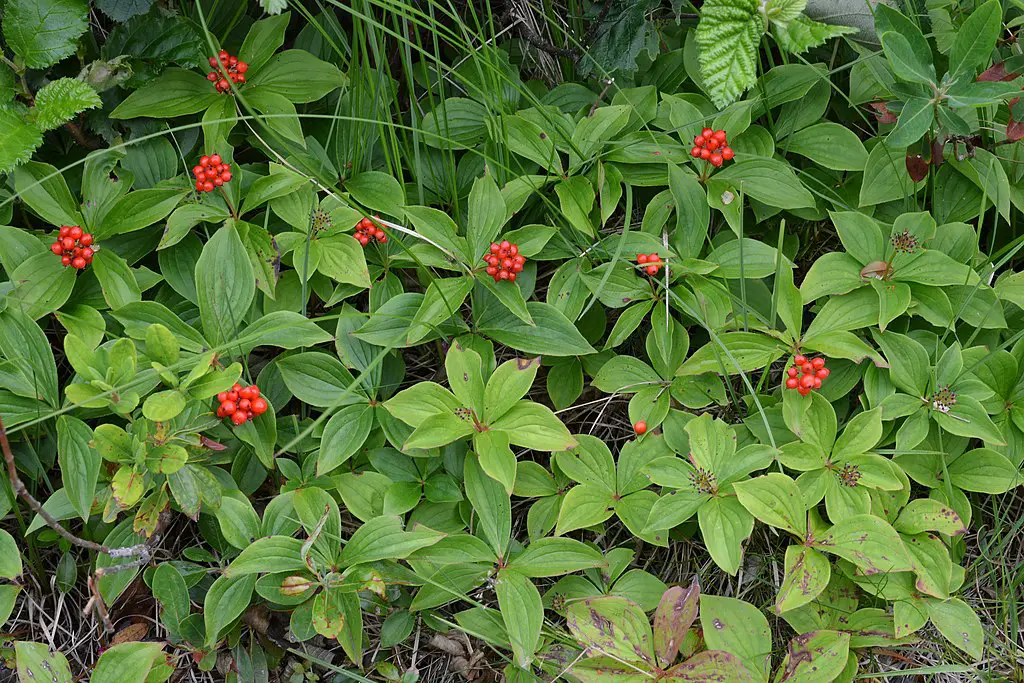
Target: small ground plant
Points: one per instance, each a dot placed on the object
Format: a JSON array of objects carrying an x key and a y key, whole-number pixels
[{"x": 588, "y": 341}]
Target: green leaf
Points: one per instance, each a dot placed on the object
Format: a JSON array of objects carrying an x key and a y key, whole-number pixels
[
  {"x": 79, "y": 463},
  {"x": 491, "y": 504},
  {"x": 928, "y": 514},
  {"x": 43, "y": 32},
  {"x": 342, "y": 260},
  {"x": 376, "y": 190},
  {"x": 18, "y": 139},
  {"x": 507, "y": 385},
  {"x": 614, "y": 627},
  {"x": 129, "y": 662},
  {"x": 60, "y": 100},
  {"x": 807, "y": 574},
  {"x": 298, "y": 76},
  {"x": 768, "y": 180},
  {"x": 119, "y": 285},
  {"x": 885, "y": 176},
  {"x": 534, "y": 426},
  {"x": 225, "y": 285},
  {"x": 746, "y": 258},
  {"x": 227, "y": 598},
  {"x": 496, "y": 458},
  {"x": 269, "y": 555},
  {"x": 29, "y": 368},
  {"x": 576, "y": 200},
  {"x": 725, "y": 525},
  {"x": 737, "y": 627},
  {"x": 693, "y": 215},
  {"x": 10, "y": 556},
  {"x": 523, "y": 612},
  {"x": 551, "y": 335},
  {"x": 176, "y": 92},
  {"x": 828, "y": 144},
  {"x": 727, "y": 37},
  {"x": 908, "y": 64},
  {"x": 802, "y": 33},
  {"x": 42, "y": 187},
  {"x": 112, "y": 584},
  {"x": 344, "y": 434},
  {"x": 318, "y": 379},
  {"x": 137, "y": 210},
  {"x": 975, "y": 40},
  {"x": 554, "y": 557},
  {"x": 43, "y": 286},
  {"x": 265, "y": 37},
  {"x": 384, "y": 538},
  {"x": 37, "y": 663},
  {"x": 584, "y": 506},
  {"x": 710, "y": 664},
  {"x": 959, "y": 624},
  {"x": 732, "y": 353},
  {"x": 487, "y": 213},
  {"x": 775, "y": 499},
  {"x": 915, "y": 120},
  {"x": 983, "y": 470},
  {"x": 279, "y": 113},
  {"x": 441, "y": 301}
]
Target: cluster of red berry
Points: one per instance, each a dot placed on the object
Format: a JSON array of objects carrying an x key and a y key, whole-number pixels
[
  {"x": 366, "y": 230},
  {"x": 241, "y": 404},
  {"x": 504, "y": 261},
  {"x": 236, "y": 69},
  {"x": 211, "y": 172},
  {"x": 712, "y": 147},
  {"x": 651, "y": 262},
  {"x": 805, "y": 375},
  {"x": 73, "y": 246}
]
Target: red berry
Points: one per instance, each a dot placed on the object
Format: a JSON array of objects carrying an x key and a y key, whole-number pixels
[
  {"x": 218, "y": 182},
  {"x": 204, "y": 160},
  {"x": 699, "y": 141},
  {"x": 818, "y": 363},
  {"x": 87, "y": 253},
  {"x": 66, "y": 260},
  {"x": 520, "y": 259},
  {"x": 245, "y": 393},
  {"x": 244, "y": 404},
  {"x": 225, "y": 176},
  {"x": 807, "y": 369},
  {"x": 803, "y": 391},
  {"x": 792, "y": 372},
  {"x": 695, "y": 152},
  {"x": 511, "y": 277},
  {"x": 716, "y": 160},
  {"x": 259, "y": 406},
  {"x": 229, "y": 406},
  {"x": 56, "y": 248},
  {"x": 86, "y": 240},
  {"x": 223, "y": 84},
  {"x": 807, "y": 381},
  {"x": 494, "y": 247},
  {"x": 652, "y": 270},
  {"x": 88, "y": 259},
  {"x": 78, "y": 262},
  {"x": 75, "y": 232},
  {"x": 505, "y": 244},
  {"x": 513, "y": 250},
  {"x": 207, "y": 186},
  {"x": 792, "y": 383},
  {"x": 727, "y": 153},
  {"x": 64, "y": 230},
  {"x": 817, "y": 383},
  {"x": 822, "y": 374},
  {"x": 641, "y": 258},
  {"x": 517, "y": 268},
  {"x": 640, "y": 427},
  {"x": 223, "y": 55},
  {"x": 222, "y": 396},
  {"x": 491, "y": 270},
  {"x": 239, "y": 418},
  {"x": 707, "y": 132},
  {"x": 67, "y": 243},
  {"x": 800, "y": 360},
  {"x": 504, "y": 274},
  {"x": 215, "y": 159},
  {"x": 705, "y": 154},
  {"x": 242, "y": 67},
  {"x": 719, "y": 135},
  {"x": 654, "y": 258},
  {"x": 713, "y": 144}
]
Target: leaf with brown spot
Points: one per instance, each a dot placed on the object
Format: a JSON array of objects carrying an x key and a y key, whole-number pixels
[
  {"x": 614, "y": 627},
  {"x": 807, "y": 574},
  {"x": 928, "y": 514},
  {"x": 815, "y": 657},
  {"x": 328, "y": 613},
  {"x": 711, "y": 666},
  {"x": 672, "y": 619},
  {"x": 869, "y": 542}
]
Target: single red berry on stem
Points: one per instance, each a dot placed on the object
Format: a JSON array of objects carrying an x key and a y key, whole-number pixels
[{"x": 640, "y": 427}]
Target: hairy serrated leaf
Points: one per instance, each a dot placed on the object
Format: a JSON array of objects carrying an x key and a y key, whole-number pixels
[
  {"x": 802, "y": 33},
  {"x": 61, "y": 100},
  {"x": 18, "y": 139},
  {"x": 727, "y": 36}
]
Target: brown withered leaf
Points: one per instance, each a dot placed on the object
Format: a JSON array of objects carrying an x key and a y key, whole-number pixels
[
  {"x": 675, "y": 615},
  {"x": 917, "y": 167},
  {"x": 996, "y": 72},
  {"x": 877, "y": 270},
  {"x": 131, "y": 634},
  {"x": 1014, "y": 129},
  {"x": 882, "y": 112}
]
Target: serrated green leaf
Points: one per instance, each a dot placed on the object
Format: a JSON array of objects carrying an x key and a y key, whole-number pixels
[
  {"x": 60, "y": 100},
  {"x": 727, "y": 35}
]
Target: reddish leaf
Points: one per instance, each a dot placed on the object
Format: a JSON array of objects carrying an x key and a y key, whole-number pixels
[
  {"x": 212, "y": 445},
  {"x": 996, "y": 72},
  {"x": 883, "y": 113},
  {"x": 1014, "y": 129},
  {"x": 876, "y": 270},
  {"x": 917, "y": 167},
  {"x": 673, "y": 618}
]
